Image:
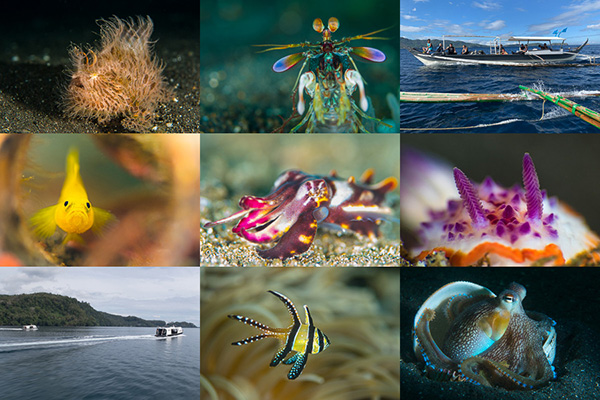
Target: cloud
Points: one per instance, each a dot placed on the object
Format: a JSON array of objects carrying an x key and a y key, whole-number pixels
[
  {"x": 412, "y": 17},
  {"x": 486, "y": 5},
  {"x": 572, "y": 17},
  {"x": 494, "y": 26},
  {"x": 407, "y": 28},
  {"x": 421, "y": 1},
  {"x": 414, "y": 9},
  {"x": 597, "y": 26}
]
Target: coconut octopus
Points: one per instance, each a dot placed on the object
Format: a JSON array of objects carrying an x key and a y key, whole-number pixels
[{"x": 464, "y": 332}]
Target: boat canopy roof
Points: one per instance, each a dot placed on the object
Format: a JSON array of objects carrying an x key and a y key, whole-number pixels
[{"x": 535, "y": 38}]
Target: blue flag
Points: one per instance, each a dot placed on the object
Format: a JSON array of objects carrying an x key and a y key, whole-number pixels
[{"x": 555, "y": 32}]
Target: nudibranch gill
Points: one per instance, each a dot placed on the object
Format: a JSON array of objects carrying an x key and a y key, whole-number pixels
[
  {"x": 299, "y": 202},
  {"x": 464, "y": 332},
  {"x": 304, "y": 339},
  {"x": 515, "y": 226}
]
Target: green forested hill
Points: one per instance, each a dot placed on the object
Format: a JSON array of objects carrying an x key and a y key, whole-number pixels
[
  {"x": 46, "y": 309},
  {"x": 419, "y": 43}
]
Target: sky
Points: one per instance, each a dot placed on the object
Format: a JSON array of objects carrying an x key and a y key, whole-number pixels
[
  {"x": 422, "y": 19},
  {"x": 170, "y": 293}
]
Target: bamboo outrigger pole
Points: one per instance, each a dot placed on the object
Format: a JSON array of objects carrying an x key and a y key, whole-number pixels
[
  {"x": 589, "y": 116},
  {"x": 419, "y": 97}
]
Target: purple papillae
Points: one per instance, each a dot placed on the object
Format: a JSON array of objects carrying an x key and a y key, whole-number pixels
[
  {"x": 470, "y": 198},
  {"x": 533, "y": 195}
]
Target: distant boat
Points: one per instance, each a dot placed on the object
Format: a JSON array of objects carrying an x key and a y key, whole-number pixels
[
  {"x": 30, "y": 328},
  {"x": 533, "y": 56},
  {"x": 168, "y": 331}
]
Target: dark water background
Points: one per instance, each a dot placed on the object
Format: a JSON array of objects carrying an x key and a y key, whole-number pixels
[
  {"x": 518, "y": 116},
  {"x": 98, "y": 363}
]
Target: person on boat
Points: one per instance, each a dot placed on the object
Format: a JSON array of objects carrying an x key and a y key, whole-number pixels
[
  {"x": 427, "y": 49},
  {"x": 465, "y": 49},
  {"x": 440, "y": 48},
  {"x": 503, "y": 50},
  {"x": 450, "y": 49},
  {"x": 545, "y": 47},
  {"x": 522, "y": 49}
]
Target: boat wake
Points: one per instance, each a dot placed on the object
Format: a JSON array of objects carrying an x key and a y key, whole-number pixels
[
  {"x": 85, "y": 340},
  {"x": 508, "y": 121},
  {"x": 11, "y": 329}
]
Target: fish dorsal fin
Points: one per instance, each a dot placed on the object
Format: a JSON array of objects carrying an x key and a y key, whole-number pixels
[
  {"x": 290, "y": 306},
  {"x": 309, "y": 320},
  {"x": 72, "y": 163},
  {"x": 73, "y": 186}
]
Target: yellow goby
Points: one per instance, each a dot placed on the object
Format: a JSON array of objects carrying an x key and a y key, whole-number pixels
[{"x": 73, "y": 213}]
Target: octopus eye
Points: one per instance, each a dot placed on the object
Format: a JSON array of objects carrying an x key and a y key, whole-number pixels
[
  {"x": 88, "y": 204},
  {"x": 508, "y": 298},
  {"x": 66, "y": 203}
]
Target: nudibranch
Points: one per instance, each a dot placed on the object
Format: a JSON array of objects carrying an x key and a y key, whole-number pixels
[
  {"x": 304, "y": 339},
  {"x": 514, "y": 226},
  {"x": 299, "y": 202},
  {"x": 464, "y": 332}
]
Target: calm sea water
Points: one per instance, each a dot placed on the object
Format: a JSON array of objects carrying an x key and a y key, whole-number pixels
[
  {"x": 576, "y": 83},
  {"x": 98, "y": 363}
]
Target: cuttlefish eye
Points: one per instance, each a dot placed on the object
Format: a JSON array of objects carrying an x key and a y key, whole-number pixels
[
  {"x": 66, "y": 203},
  {"x": 88, "y": 204}
]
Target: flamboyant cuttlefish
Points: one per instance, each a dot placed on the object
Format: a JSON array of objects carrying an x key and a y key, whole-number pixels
[
  {"x": 304, "y": 339},
  {"x": 487, "y": 222},
  {"x": 299, "y": 202},
  {"x": 464, "y": 332}
]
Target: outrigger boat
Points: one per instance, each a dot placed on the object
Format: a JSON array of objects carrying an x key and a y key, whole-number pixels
[
  {"x": 532, "y": 56},
  {"x": 168, "y": 331}
]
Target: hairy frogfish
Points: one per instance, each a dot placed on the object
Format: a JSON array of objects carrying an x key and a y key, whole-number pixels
[{"x": 73, "y": 213}]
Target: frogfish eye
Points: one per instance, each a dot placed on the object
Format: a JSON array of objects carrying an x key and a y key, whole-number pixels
[
  {"x": 66, "y": 203},
  {"x": 87, "y": 204}
]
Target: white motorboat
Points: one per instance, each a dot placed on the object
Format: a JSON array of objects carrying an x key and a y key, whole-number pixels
[
  {"x": 30, "y": 328},
  {"x": 168, "y": 331}
]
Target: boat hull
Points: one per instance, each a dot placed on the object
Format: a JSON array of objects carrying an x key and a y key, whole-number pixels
[
  {"x": 170, "y": 331},
  {"x": 529, "y": 58}
]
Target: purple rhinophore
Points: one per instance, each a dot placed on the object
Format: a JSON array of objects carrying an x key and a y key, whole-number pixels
[
  {"x": 470, "y": 199},
  {"x": 532, "y": 189}
]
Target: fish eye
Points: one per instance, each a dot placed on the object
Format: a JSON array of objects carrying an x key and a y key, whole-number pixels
[
  {"x": 66, "y": 203},
  {"x": 88, "y": 204}
]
